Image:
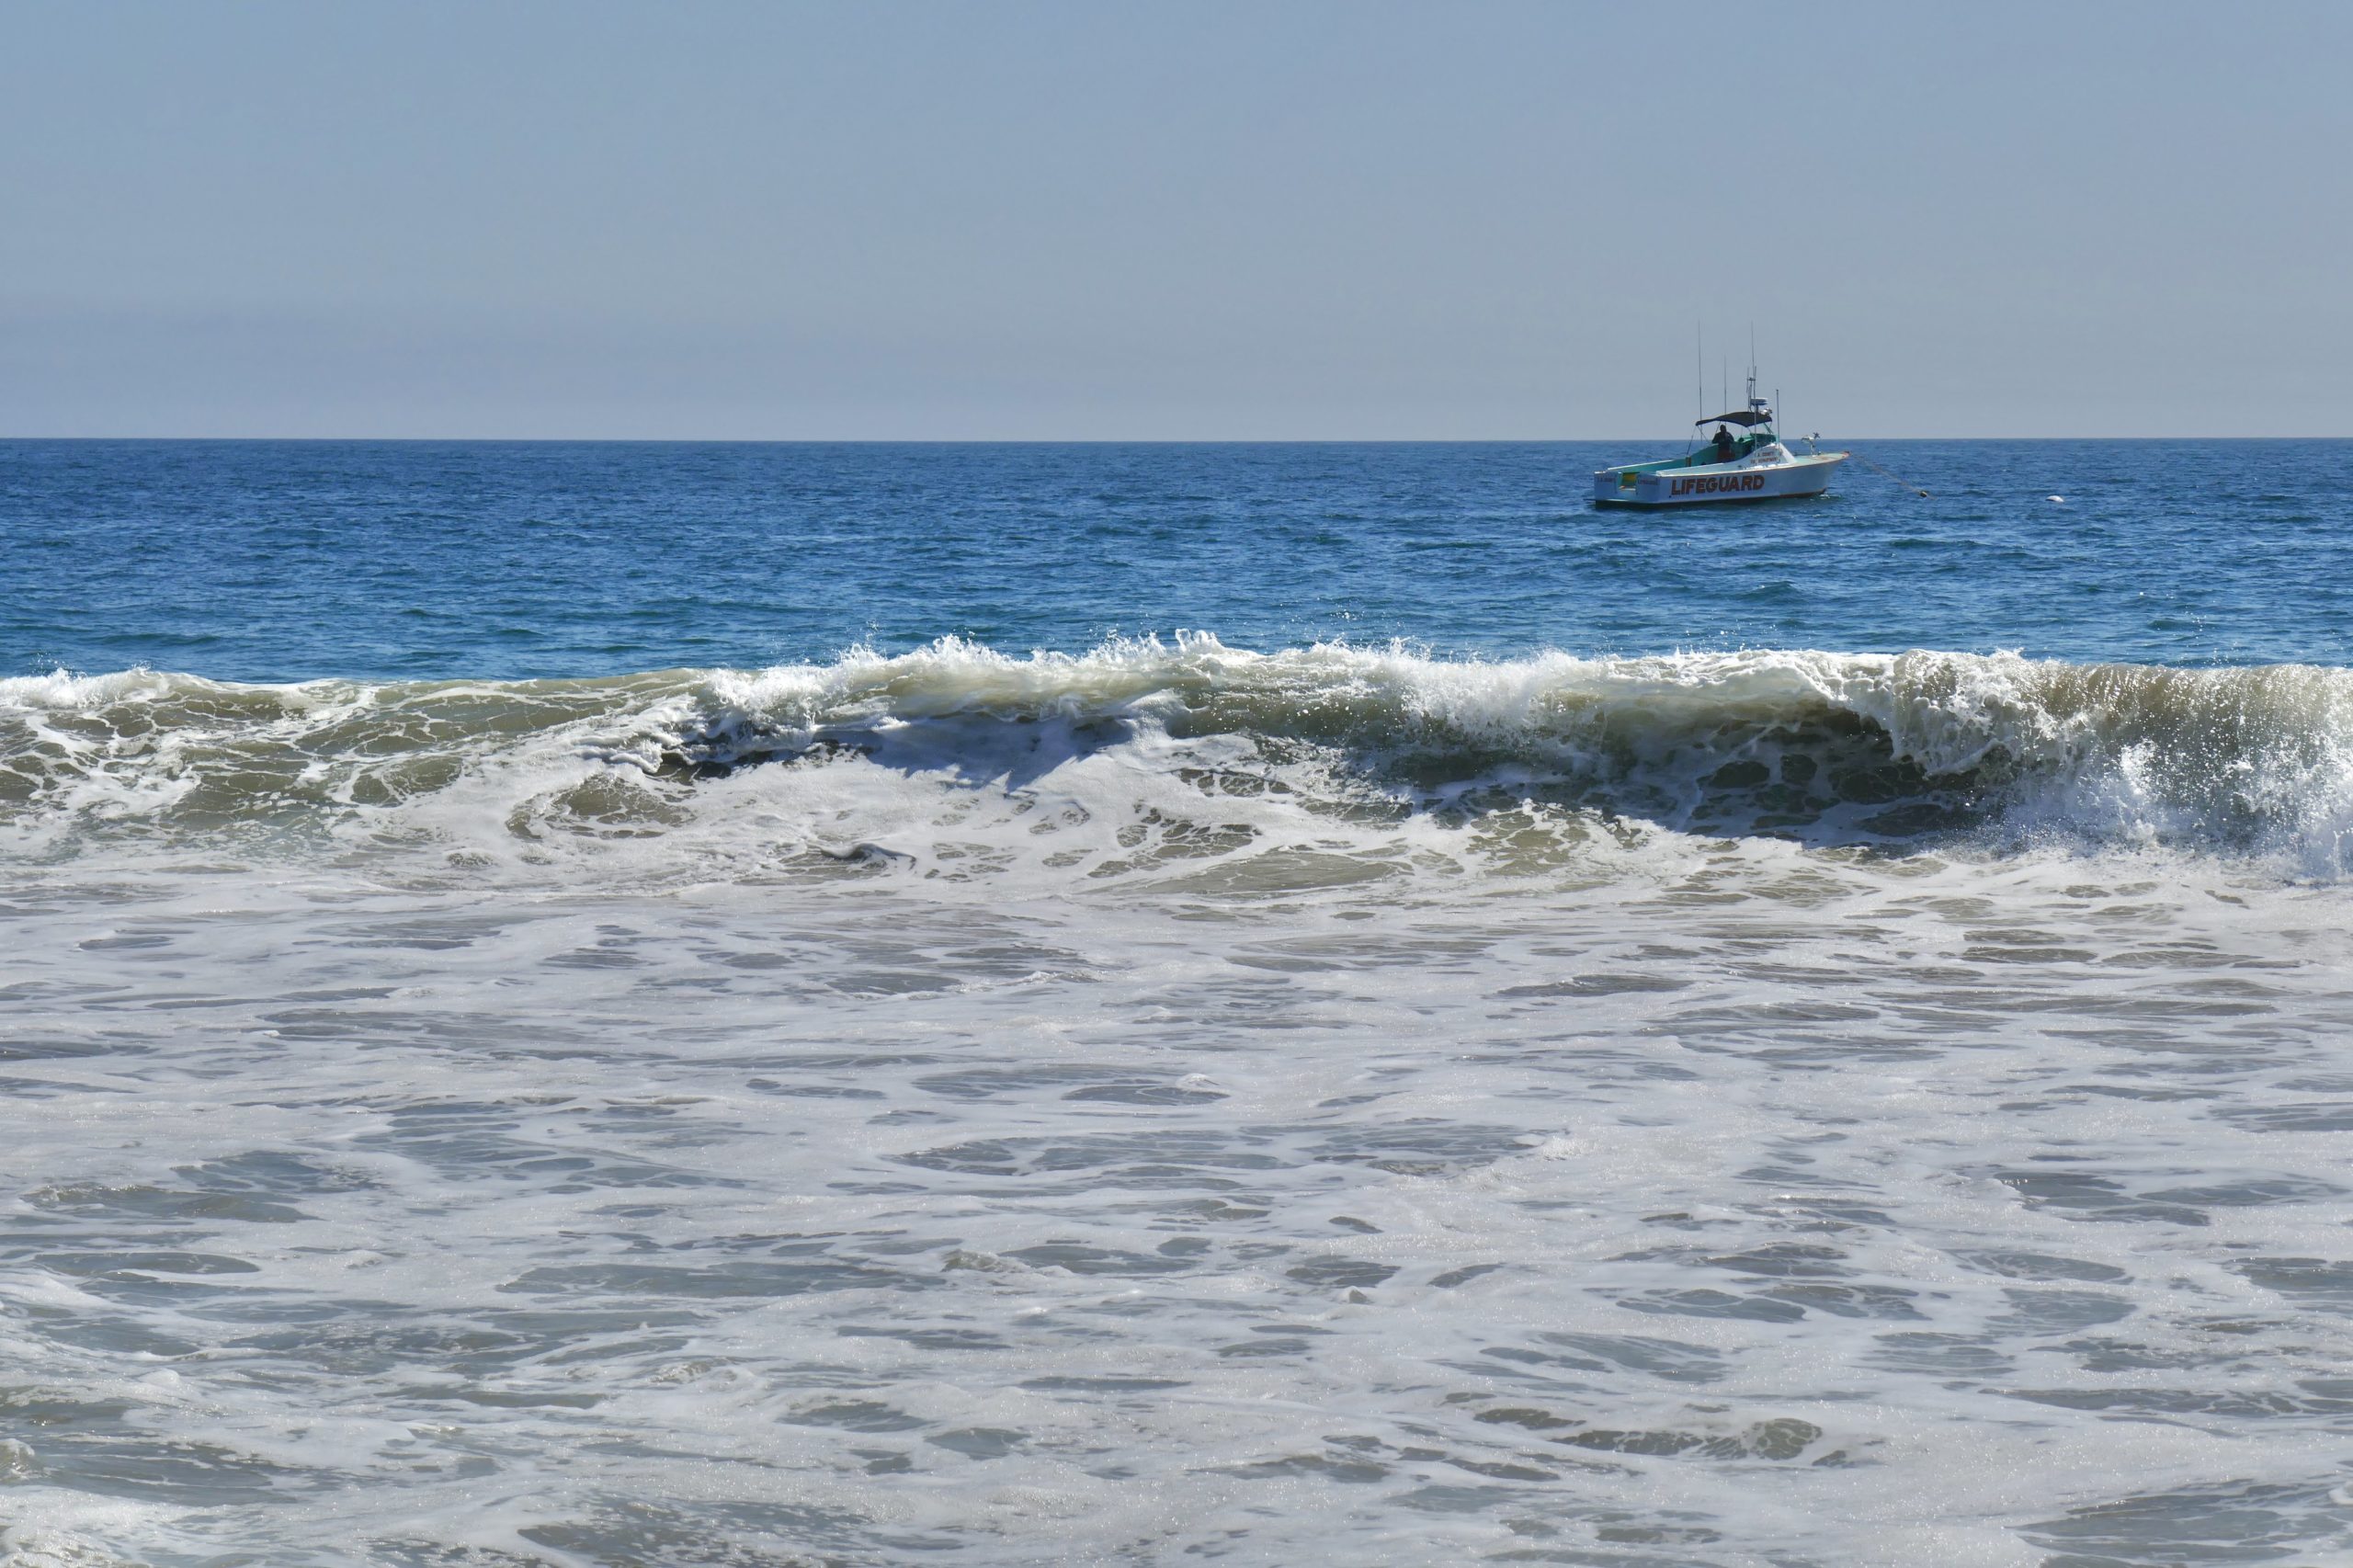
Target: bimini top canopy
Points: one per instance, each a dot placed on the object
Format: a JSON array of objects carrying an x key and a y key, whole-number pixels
[{"x": 1742, "y": 416}]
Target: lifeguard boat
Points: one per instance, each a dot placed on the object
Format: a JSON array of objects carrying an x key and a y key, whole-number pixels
[{"x": 1751, "y": 466}]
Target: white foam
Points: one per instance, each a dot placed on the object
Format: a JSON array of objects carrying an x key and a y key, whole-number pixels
[{"x": 1200, "y": 1141}]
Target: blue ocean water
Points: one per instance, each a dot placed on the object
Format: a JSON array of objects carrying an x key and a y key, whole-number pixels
[
  {"x": 287, "y": 561},
  {"x": 613, "y": 1006}
]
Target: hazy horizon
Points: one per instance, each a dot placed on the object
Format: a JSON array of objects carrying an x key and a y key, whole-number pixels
[
  {"x": 1828, "y": 438},
  {"x": 1311, "y": 222}
]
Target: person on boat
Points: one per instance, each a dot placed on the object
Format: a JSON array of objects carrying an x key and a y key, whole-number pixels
[{"x": 1724, "y": 445}]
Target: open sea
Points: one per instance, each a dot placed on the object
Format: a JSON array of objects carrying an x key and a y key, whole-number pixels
[{"x": 665, "y": 1004}]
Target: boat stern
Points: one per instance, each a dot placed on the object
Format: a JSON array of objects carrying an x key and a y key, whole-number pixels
[{"x": 1616, "y": 484}]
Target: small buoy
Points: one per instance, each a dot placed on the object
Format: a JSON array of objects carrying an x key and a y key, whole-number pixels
[{"x": 2056, "y": 500}]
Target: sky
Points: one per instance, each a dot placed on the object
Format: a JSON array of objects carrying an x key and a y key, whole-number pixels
[{"x": 1281, "y": 220}]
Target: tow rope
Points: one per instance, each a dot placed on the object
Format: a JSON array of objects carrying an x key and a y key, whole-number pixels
[{"x": 1874, "y": 467}]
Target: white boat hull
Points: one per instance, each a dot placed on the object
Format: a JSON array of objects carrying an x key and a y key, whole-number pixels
[{"x": 1712, "y": 483}]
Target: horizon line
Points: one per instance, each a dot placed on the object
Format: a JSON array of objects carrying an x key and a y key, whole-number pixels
[{"x": 1077, "y": 440}]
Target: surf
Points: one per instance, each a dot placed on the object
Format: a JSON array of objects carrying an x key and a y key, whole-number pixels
[{"x": 1827, "y": 749}]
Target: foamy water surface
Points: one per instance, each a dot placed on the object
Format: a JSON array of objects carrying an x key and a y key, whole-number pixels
[{"x": 1165, "y": 1101}]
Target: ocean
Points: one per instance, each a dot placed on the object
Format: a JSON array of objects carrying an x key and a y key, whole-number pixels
[{"x": 620, "y": 1004}]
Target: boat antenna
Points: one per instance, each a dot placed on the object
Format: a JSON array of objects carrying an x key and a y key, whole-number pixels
[{"x": 1698, "y": 379}]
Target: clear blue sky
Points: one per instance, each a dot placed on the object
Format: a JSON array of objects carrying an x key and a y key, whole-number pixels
[{"x": 1266, "y": 220}]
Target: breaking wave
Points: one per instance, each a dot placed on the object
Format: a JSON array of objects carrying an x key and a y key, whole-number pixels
[{"x": 1200, "y": 752}]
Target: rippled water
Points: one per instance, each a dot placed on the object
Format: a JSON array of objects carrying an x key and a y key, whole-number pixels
[
  {"x": 288, "y": 560},
  {"x": 1160, "y": 1101}
]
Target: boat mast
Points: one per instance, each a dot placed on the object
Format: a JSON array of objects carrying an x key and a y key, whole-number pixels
[
  {"x": 1699, "y": 380},
  {"x": 1757, "y": 405}
]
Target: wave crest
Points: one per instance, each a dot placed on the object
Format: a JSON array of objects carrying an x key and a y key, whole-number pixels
[{"x": 1823, "y": 747}]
